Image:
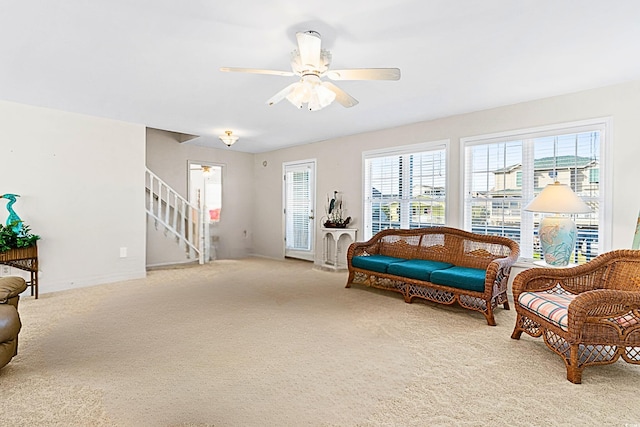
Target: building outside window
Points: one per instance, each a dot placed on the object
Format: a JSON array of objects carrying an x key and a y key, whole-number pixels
[
  {"x": 504, "y": 173},
  {"x": 405, "y": 188}
]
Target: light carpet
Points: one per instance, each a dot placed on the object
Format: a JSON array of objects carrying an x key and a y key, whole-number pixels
[{"x": 260, "y": 342}]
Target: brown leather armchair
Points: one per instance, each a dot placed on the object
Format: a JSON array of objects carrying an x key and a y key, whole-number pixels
[{"x": 10, "y": 289}]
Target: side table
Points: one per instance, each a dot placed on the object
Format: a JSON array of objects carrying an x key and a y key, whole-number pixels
[
  {"x": 24, "y": 259},
  {"x": 331, "y": 237}
]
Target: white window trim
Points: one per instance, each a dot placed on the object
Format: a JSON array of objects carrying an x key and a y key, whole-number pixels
[
  {"x": 407, "y": 149},
  {"x": 604, "y": 124}
]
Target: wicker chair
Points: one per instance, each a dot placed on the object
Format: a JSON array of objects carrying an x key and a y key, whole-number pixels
[{"x": 589, "y": 314}]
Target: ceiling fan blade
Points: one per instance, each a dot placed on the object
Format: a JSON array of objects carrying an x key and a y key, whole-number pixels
[
  {"x": 282, "y": 94},
  {"x": 257, "y": 71},
  {"x": 342, "y": 97},
  {"x": 309, "y": 47},
  {"x": 365, "y": 74}
]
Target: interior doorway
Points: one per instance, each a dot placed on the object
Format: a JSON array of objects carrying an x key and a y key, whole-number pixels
[{"x": 205, "y": 191}]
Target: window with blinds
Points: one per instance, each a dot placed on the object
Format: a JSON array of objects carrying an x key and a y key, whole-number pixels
[
  {"x": 298, "y": 208},
  {"x": 502, "y": 175},
  {"x": 405, "y": 188}
]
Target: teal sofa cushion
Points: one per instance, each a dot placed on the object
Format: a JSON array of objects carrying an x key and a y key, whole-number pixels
[
  {"x": 419, "y": 269},
  {"x": 378, "y": 263},
  {"x": 471, "y": 279}
]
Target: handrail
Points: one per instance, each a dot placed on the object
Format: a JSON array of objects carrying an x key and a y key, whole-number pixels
[{"x": 176, "y": 214}]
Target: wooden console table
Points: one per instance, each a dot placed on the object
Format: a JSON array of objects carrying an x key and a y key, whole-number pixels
[
  {"x": 24, "y": 259},
  {"x": 330, "y": 259}
]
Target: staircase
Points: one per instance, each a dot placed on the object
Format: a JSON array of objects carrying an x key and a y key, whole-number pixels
[{"x": 180, "y": 219}]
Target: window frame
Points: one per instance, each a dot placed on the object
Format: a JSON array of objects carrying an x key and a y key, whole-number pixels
[
  {"x": 443, "y": 144},
  {"x": 603, "y": 124}
]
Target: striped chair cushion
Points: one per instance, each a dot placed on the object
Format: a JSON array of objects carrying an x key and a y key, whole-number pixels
[{"x": 553, "y": 307}]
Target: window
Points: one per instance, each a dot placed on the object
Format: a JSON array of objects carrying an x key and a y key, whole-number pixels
[
  {"x": 504, "y": 173},
  {"x": 405, "y": 188}
]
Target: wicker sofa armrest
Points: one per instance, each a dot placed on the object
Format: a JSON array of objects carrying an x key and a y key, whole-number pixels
[
  {"x": 602, "y": 305},
  {"x": 508, "y": 261},
  {"x": 371, "y": 246},
  {"x": 360, "y": 248},
  {"x": 498, "y": 272}
]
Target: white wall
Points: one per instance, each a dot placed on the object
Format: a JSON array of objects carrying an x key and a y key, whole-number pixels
[
  {"x": 168, "y": 158},
  {"x": 339, "y": 161},
  {"x": 80, "y": 179}
]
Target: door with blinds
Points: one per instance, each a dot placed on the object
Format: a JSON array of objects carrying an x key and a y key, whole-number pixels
[{"x": 299, "y": 209}]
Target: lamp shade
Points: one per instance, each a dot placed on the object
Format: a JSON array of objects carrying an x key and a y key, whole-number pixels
[{"x": 558, "y": 198}]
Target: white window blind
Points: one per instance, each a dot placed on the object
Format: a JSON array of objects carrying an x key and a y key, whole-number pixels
[
  {"x": 405, "y": 189},
  {"x": 504, "y": 174},
  {"x": 298, "y": 209}
]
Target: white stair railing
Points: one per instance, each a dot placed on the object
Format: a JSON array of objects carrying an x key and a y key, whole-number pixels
[{"x": 177, "y": 215}]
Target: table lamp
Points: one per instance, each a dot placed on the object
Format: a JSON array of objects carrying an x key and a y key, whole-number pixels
[{"x": 557, "y": 233}]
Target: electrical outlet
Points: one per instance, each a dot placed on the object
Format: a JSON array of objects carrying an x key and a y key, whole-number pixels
[
  {"x": 123, "y": 252},
  {"x": 6, "y": 269}
]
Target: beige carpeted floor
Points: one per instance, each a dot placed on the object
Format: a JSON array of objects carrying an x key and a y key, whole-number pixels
[{"x": 276, "y": 343}]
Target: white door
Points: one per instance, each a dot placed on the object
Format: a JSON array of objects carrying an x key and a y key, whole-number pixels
[{"x": 299, "y": 209}]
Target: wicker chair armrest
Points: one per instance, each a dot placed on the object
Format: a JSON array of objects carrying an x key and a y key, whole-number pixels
[
  {"x": 600, "y": 304},
  {"x": 542, "y": 279},
  {"x": 533, "y": 280}
]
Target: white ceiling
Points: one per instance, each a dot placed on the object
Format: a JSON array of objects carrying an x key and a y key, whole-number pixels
[{"x": 156, "y": 62}]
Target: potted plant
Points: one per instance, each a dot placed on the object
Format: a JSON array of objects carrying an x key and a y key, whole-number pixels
[{"x": 16, "y": 236}]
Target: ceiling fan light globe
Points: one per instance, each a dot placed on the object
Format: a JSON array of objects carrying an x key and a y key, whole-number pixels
[
  {"x": 300, "y": 94},
  {"x": 324, "y": 95},
  {"x": 294, "y": 102},
  {"x": 320, "y": 97},
  {"x": 307, "y": 93},
  {"x": 295, "y": 98}
]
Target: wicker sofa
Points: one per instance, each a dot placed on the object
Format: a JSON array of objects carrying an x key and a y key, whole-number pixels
[
  {"x": 588, "y": 315},
  {"x": 440, "y": 264}
]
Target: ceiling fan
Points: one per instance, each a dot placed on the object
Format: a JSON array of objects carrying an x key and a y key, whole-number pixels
[{"x": 311, "y": 63}]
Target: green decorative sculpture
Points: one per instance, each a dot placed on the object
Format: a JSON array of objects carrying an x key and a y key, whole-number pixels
[{"x": 13, "y": 220}]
